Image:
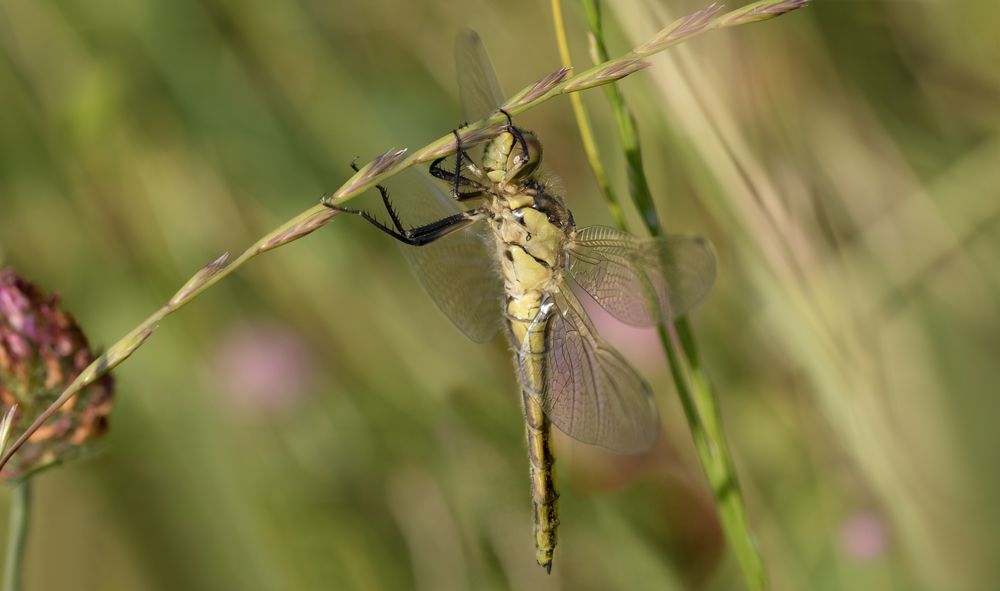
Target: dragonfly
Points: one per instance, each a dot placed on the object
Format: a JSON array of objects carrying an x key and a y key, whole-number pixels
[{"x": 503, "y": 252}]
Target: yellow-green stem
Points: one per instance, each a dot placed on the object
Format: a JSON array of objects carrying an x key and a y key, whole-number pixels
[
  {"x": 583, "y": 122},
  {"x": 697, "y": 395}
]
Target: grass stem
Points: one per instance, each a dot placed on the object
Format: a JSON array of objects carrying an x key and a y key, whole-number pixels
[
  {"x": 17, "y": 535},
  {"x": 583, "y": 122},
  {"x": 698, "y": 397}
]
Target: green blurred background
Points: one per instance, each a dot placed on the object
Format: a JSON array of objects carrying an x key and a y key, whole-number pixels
[{"x": 313, "y": 423}]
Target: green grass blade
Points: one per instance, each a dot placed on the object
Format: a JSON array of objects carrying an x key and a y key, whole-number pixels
[{"x": 698, "y": 397}]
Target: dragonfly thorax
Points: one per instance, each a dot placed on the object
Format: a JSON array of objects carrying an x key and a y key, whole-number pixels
[{"x": 531, "y": 229}]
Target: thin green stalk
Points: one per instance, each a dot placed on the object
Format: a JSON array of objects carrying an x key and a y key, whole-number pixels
[
  {"x": 697, "y": 395},
  {"x": 17, "y": 534},
  {"x": 583, "y": 122},
  {"x": 393, "y": 162}
]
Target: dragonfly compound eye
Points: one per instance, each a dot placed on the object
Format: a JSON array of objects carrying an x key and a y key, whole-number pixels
[{"x": 525, "y": 163}]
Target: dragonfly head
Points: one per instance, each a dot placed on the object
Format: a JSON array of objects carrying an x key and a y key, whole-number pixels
[{"x": 520, "y": 164}]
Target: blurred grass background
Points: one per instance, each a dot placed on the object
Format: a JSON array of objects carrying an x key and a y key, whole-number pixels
[{"x": 313, "y": 422}]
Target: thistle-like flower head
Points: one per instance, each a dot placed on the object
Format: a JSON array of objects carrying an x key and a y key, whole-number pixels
[{"x": 41, "y": 351}]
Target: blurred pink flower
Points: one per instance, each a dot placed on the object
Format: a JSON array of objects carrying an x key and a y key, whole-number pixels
[
  {"x": 264, "y": 367},
  {"x": 863, "y": 536},
  {"x": 641, "y": 346}
]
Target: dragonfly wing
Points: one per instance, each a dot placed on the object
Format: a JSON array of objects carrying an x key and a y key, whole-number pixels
[
  {"x": 591, "y": 393},
  {"x": 458, "y": 271},
  {"x": 478, "y": 87},
  {"x": 641, "y": 282}
]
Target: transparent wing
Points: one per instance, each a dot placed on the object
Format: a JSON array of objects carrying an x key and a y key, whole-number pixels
[
  {"x": 641, "y": 282},
  {"x": 478, "y": 87},
  {"x": 458, "y": 271},
  {"x": 591, "y": 393}
]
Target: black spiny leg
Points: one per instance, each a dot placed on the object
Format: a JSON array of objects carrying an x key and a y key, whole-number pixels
[
  {"x": 518, "y": 136},
  {"x": 385, "y": 201},
  {"x": 418, "y": 236},
  {"x": 459, "y": 154},
  {"x": 456, "y": 177}
]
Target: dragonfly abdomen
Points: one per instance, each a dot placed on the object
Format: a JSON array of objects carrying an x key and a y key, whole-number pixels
[
  {"x": 544, "y": 497},
  {"x": 529, "y": 341},
  {"x": 530, "y": 244}
]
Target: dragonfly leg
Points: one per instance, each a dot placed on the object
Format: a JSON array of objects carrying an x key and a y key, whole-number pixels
[
  {"x": 385, "y": 201},
  {"x": 456, "y": 177},
  {"x": 518, "y": 135},
  {"x": 459, "y": 154},
  {"x": 420, "y": 235},
  {"x": 444, "y": 174}
]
